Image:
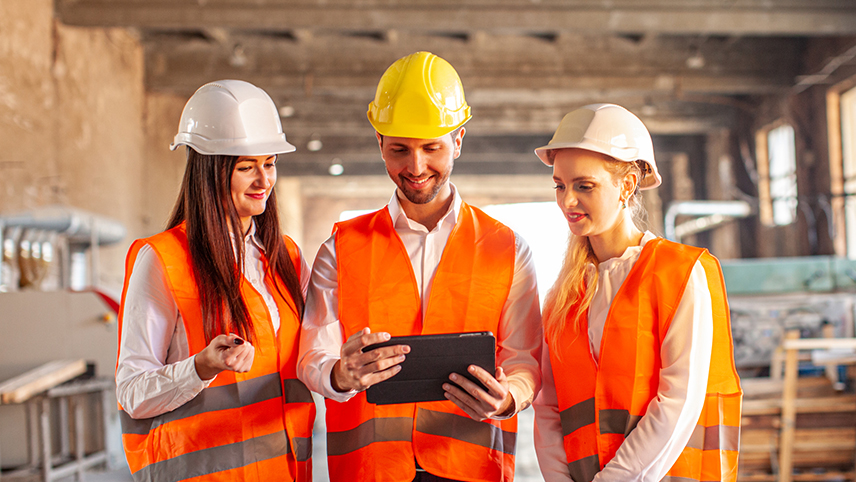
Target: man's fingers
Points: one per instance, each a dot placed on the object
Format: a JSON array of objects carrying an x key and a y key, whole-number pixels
[
  {"x": 464, "y": 402},
  {"x": 489, "y": 382}
]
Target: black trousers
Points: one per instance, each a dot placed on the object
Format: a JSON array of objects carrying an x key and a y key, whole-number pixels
[{"x": 426, "y": 477}]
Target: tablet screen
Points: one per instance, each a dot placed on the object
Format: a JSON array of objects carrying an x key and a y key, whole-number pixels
[{"x": 431, "y": 360}]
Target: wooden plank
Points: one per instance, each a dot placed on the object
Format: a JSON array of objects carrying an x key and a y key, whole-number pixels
[
  {"x": 37, "y": 380},
  {"x": 819, "y": 343},
  {"x": 842, "y": 403},
  {"x": 806, "y": 440},
  {"x": 755, "y": 388},
  {"x": 789, "y": 412},
  {"x": 835, "y": 19}
]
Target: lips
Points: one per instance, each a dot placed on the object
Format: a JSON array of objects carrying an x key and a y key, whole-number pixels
[
  {"x": 417, "y": 183},
  {"x": 260, "y": 196},
  {"x": 575, "y": 217}
]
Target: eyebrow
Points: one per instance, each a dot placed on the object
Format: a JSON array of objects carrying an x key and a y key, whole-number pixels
[{"x": 581, "y": 178}]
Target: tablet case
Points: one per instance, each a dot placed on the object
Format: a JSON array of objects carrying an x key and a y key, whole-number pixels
[{"x": 431, "y": 360}]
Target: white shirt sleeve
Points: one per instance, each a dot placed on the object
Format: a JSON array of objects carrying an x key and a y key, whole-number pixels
[
  {"x": 549, "y": 442},
  {"x": 305, "y": 274},
  {"x": 154, "y": 373},
  {"x": 520, "y": 334},
  {"x": 651, "y": 449},
  {"x": 322, "y": 335}
]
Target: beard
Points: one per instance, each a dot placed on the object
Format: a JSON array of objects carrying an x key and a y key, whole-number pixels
[{"x": 426, "y": 194}]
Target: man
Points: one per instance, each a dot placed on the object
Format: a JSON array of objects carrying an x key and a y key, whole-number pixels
[{"x": 427, "y": 263}]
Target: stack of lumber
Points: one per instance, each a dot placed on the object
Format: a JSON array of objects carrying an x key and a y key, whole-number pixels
[
  {"x": 824, "y": 436},
  {"x": 40, "y": 379}
]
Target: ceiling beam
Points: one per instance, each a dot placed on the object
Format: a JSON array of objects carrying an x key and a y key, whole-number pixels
[{"x": 742, "y": 17}]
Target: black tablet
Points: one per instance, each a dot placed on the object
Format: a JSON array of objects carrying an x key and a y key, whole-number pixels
[{"x": 431, "y": 360}]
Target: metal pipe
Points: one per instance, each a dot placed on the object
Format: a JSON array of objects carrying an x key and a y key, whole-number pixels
[
  {"x": 715, "y": 212},
  {"x": 79, "y": 226}
]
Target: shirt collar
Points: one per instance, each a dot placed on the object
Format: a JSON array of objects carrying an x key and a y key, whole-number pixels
[
  {"x": 250, "y": 237},
  {"x": 400, "y": 219}
]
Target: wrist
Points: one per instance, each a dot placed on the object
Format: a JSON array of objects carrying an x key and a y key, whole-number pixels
[
  {"x": 203, "y": 370},
  {"x": 510, "y": 407},
  {"x": 334, "y": 378}
]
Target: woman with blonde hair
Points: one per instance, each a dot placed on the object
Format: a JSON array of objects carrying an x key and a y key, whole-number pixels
[{"x": 639, "y": 382}]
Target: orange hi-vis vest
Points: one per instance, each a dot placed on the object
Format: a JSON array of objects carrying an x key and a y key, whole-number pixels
[
  {"x": 600, "y": 405},
  {"x": 377, "y": 288},
  {"x": 254, "y": 426}
]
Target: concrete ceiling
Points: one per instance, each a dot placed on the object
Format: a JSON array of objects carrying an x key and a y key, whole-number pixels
[{"x": 685, "y": 66}]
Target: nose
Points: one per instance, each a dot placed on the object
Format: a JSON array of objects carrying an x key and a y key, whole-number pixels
[
  {"x": 262, "y": 179},
  {"x": 566, "y": 199},
  {"x": 416, "y": 163}
]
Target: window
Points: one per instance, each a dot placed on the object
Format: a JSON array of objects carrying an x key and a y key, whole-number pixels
[
  {"x": 777, "y": 168},
  {"x": 848, "y": 158}
]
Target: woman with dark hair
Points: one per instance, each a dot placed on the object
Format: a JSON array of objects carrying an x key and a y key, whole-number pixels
[
  {"x": 211, "y": 310},
  {"x": 638, "y": 377}
]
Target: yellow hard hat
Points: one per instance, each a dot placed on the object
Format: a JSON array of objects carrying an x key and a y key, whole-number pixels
[{"x": 419, "y": 96}]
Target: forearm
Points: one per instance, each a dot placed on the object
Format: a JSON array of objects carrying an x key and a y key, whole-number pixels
[{"x": 146, "y": 394}]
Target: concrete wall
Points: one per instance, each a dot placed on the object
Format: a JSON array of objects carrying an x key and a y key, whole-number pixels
[{"x": 71, "y": 120}]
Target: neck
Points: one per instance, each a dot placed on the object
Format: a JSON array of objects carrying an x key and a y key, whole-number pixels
[
  {"x": 615, "y": 242},
  {"x": 427, "y": 214},
  {"x": 245, "y": 225}
]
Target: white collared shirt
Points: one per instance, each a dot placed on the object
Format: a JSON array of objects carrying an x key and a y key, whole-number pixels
[
  {"x": 518, "y": 340},
  {"x": 156, "y": 373},
  {"x": 662, "y": 433}
]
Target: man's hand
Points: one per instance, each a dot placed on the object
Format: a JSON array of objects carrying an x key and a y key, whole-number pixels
[
  {"x": 225, "y": 352},
  {"x": 356, "y": 370},
  {"x": 476, "y": 402}
]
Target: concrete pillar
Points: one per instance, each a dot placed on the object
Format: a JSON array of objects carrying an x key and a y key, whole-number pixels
[
  {"x": 719, "y": 178},
  {"x": 289, "y": 203},
  {"x": 683, "y": 188}
]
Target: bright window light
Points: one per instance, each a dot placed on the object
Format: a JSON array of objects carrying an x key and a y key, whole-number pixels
[
  {"x": 346, "y": 215},
  {"x": 848, "y": 145},
  {"x": 783, "y": 174},
  {"x": 545, "y": 230}
]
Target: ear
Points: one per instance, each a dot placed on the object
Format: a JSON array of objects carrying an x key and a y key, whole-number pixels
[
  {"x": 628, "y": 185},
  {"x": 459, "y": 141},
  {"x": 379, "y": 141}
]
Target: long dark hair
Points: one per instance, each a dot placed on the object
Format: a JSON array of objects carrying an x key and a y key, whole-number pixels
[{"x": 205, "y": 203}]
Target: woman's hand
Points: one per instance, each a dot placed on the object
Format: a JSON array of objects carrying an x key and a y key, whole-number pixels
[
  {"x": 225, "y": 352},
  {"x": 477, "y": 403}
]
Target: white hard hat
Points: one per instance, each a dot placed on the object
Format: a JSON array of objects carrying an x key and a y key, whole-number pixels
[
  {"x": 231, "y": 117},
  {"x": 608, "y": 129}
]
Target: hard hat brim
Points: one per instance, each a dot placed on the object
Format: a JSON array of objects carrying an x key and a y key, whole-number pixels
[
  {"x": 649, "y": 182},
  {"x": 414, "y": 131},
  {"x": 233, "y": 147}
]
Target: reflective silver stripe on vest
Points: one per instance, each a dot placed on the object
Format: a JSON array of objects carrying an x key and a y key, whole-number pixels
[
  {"x": 211, "y": 399},
  {"x": 215, "y": 459},
  {"x": 715, "y": 437},
  {"x": 670, "y": 478},
  {"x": 302, "y": 448},
  {"x": 584, "y": 469},
  {"x": 577, "y": 416},
  {"x": 617, "y": 421},
  {"x": 296, "y": 391},
  {"x": 465, "y": 429},
  {"x": 390, "y": 429}
]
